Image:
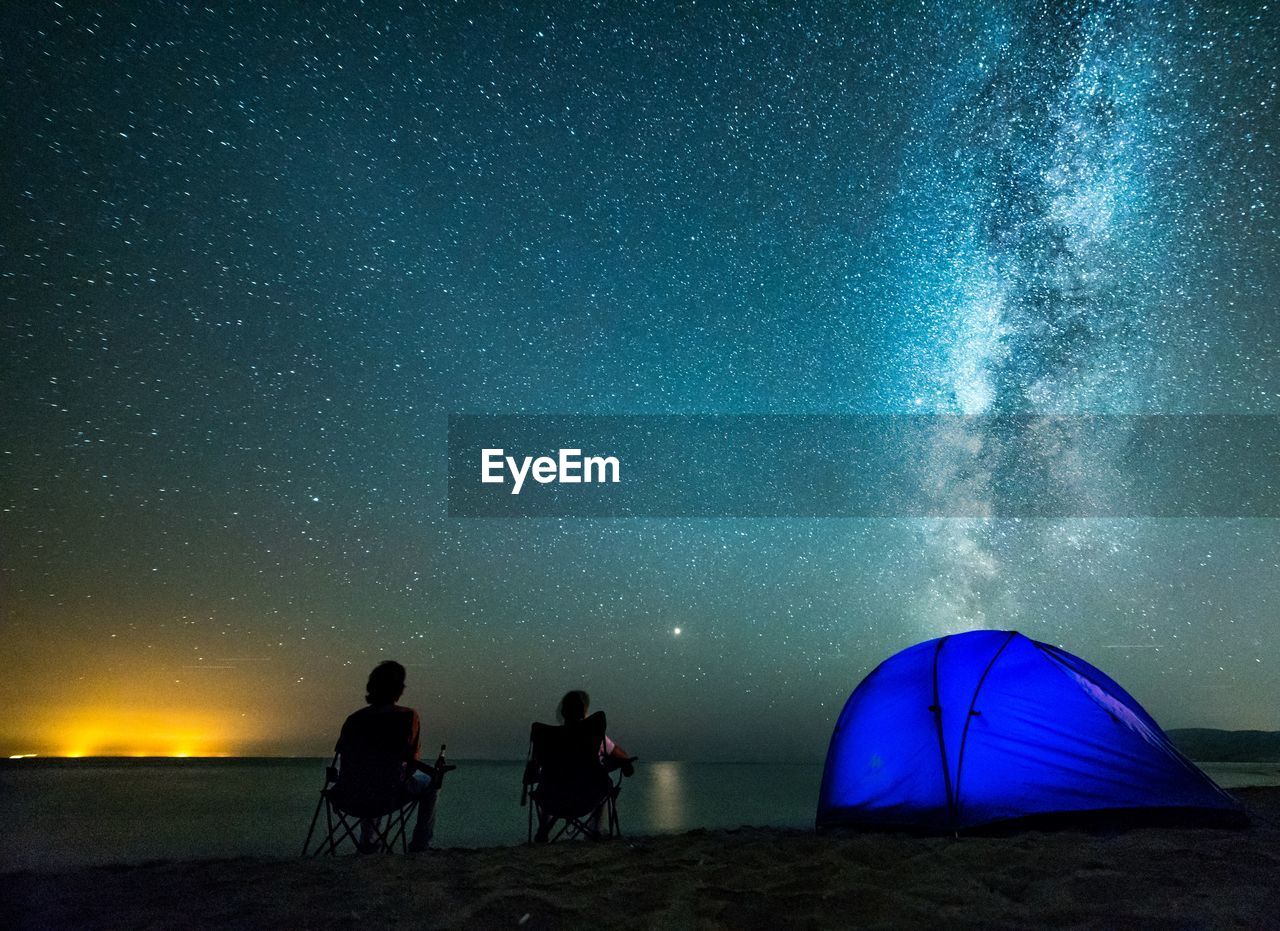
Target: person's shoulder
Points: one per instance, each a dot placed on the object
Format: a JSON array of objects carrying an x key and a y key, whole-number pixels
[
  {"x": 355, "y": 725},
  {"x": 407, "y": 720},
  {"x": 358, "y": 715}
]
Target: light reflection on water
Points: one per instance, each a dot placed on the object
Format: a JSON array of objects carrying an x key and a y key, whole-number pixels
[
  {"x": 64, "y": 813},
  {"x": 667, "y": 804}
]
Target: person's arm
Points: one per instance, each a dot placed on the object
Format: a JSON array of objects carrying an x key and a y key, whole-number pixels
[
  {"x": 616, "y": 758},
  {"x": 415, "y": 731},
  {"x": 613, "y": 750}
]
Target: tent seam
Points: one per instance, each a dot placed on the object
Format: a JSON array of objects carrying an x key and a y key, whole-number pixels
[
  {"x": 936, "y": 708},
  {"x": 964, "y": 733}
]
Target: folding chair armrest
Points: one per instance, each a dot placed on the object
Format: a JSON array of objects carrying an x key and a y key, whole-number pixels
[
  {"x": 432, "y": 770},
  {"x": 613, "y": 764}
]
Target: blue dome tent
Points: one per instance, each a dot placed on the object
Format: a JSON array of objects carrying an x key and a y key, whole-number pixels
[{"x": 991, "y": 726}]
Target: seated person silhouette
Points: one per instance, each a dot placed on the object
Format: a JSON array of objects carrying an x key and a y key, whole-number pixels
[
  {"x": 575, "y": 764},
  {"x": 378, "y": 752}
]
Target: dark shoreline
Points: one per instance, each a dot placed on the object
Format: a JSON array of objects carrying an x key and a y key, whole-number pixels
[{"x": 743, "y": 877}]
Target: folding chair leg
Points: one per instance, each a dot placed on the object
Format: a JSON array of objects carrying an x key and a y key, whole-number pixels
[
  {"x": 569, "y": 828},
  {"x": 384, "y": 833},
  {"x": 328, "y": 817},
  {"x": 311, "y": 830},
  {"x": 400, "y": 822},
  {"x": 345, "y": 829},
  {"x": 348, "y": 826}
]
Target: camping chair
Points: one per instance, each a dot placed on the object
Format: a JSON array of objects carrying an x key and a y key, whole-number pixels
[
  {"x": 565, "y": 781},
  {"x": 347, "y": 802}
]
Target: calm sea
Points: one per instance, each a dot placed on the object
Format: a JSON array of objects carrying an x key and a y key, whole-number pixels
[{"x": 71, "y": 812}]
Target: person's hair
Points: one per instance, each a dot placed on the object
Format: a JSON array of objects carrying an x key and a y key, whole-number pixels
[
  {"x": 386, "y": 683},
  {"x": 573, "y": 707}
]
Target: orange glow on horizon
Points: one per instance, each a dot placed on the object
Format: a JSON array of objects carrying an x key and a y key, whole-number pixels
[{"x": 139, "y": 733}]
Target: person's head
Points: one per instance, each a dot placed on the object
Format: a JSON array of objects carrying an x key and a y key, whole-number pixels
[
  {"x": 573, "y": 707},
  {"x": 386, "y": 683}
]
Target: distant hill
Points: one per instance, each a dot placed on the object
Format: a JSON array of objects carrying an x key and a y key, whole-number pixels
[{"x": 1207, "y": 745}]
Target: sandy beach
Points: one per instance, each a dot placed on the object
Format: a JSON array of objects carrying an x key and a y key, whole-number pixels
[{"x": 1145, "y": 878}]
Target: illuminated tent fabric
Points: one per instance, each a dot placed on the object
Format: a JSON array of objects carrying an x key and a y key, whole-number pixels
[{"x": 988, "y": 726}]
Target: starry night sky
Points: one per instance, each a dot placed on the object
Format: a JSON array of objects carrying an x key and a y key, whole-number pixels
[{"x": 252, "y": 257}]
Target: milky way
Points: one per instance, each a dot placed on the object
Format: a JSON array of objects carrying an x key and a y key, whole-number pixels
[
  {"x": 1048, "y": 246},
  {"x": 252, "y": 259}
]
